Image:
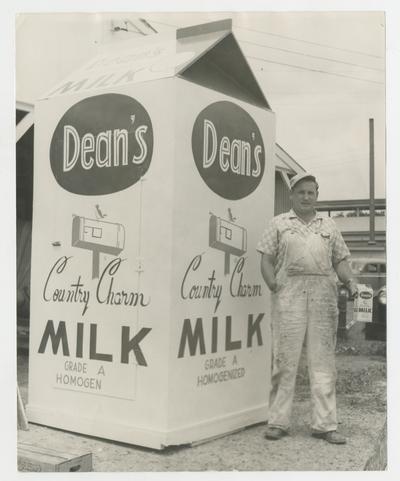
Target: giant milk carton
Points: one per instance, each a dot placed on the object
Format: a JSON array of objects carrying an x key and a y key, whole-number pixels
[{"x": 154, "y": 177}]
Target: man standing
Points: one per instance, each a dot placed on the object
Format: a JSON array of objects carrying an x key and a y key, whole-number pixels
[{"x": 301, "y": 254}]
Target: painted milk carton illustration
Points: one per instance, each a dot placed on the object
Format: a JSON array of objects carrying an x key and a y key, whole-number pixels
[{"x": 154, "y": 175}]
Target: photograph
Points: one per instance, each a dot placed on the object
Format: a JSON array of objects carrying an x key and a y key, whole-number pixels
[{"x": 227, "y": 171}]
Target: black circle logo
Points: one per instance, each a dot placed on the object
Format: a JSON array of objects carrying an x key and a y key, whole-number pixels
[
  {"x": 228, "y": 150},
  {"x": 365, "y": 295},
  {"x": 101, "y": 145}
]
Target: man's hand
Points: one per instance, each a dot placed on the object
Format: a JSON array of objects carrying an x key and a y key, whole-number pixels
[
  {"x": 352, "y": 287},
  {"x": 345, "y": 274},
  {"x": 273, "y": 286},
  {"x": 267, "y": 271}
]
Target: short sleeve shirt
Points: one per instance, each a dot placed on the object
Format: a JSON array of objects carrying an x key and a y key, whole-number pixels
[{"x": 269, "y": 242}]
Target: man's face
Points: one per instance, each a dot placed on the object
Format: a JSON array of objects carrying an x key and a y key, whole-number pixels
[{"x": 304, "y": 197}]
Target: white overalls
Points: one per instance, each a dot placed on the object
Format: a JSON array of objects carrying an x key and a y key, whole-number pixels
[{"x": 304, "y": 307}]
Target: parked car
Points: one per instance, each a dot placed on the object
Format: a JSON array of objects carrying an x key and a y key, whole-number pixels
[
  {"x": 377, "y": 328},
  {"x": 370, "y": 271}
]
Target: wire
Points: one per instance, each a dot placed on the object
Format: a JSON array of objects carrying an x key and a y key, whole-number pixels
[
  {"x": 309, "y": 42},
  {"x": 163, "y": 23},
  {"x": 143, "y": 20},
  {"x": 312, "y": 56},
  {"x": 315, "y": 70},
  {"x": 297, "y": 66},
  {"x": 289, "y": 38}
]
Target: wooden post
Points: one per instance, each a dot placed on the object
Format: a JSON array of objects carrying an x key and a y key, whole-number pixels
[{"x": 21, "y": 416}]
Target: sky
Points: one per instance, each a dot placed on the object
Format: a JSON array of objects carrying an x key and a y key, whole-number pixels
[{"x": 323, "y": 74}]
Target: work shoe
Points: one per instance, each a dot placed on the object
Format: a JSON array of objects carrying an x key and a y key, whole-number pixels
[
  {"x": 274, "y": 433},
  {"x": 331, "y": 437}
]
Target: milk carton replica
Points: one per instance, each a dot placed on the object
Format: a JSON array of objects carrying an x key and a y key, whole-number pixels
[
  {"x": 154, "y": 178},
  {"x": 363, "y": 303}
]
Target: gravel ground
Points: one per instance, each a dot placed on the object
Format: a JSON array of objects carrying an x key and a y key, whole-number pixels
[{"x": 361, "y": 399}]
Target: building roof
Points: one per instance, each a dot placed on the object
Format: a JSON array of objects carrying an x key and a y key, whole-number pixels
[{"x": 286, "y": 163}]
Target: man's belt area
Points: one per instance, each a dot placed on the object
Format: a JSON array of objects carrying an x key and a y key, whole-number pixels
[{"x": 307, "y": 273}]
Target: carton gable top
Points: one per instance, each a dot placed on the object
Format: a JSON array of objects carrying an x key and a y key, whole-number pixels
[
  {"x": 206, "y": 54},
  {"x": 221, "y": 65}
]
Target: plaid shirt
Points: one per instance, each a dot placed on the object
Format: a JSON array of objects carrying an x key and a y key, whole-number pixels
[{"x": 269, "y": 242}]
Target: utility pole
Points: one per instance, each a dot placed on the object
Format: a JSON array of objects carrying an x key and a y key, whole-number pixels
[{"x": 371, "y": 184}]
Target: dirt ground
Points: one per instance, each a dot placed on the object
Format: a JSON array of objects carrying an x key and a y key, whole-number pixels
[{"x": 361, "y": 401}]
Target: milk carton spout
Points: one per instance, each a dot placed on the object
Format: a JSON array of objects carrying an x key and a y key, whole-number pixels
[{"x": 205, "y": 28}]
